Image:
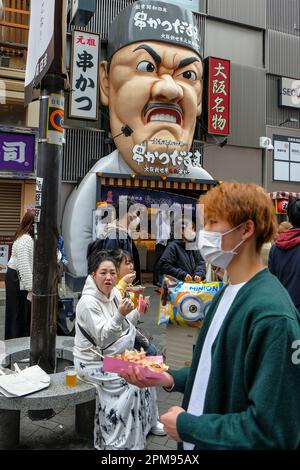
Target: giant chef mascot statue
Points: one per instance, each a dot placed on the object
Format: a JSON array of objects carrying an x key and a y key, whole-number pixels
[{"x": 151, "y": 82}]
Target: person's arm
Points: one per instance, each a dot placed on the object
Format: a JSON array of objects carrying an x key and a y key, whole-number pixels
[
  {"x": 271, "y": 420},
  {"x": 103, "y": 328},
  {"x": 200, "y": 269},
  {"x": 25, "y": 261},
  {"x": 271, "y": 260},
  {"x": 121, "y": 286},
  {"x": 134, "y": 316},
  {"x": 169, "y": 264},
  {"x": 180, "y": 377}
]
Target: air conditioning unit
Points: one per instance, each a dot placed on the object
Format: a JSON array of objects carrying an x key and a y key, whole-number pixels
[{"x": 4, "y": 61}]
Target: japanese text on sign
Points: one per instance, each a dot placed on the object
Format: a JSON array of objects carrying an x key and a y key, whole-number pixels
[
  {"x": 175, "y": 31},
  {"x": 84, "y": 78},
  {"x": 218, "y": 96},
  {"x": 179, "y": 162}
]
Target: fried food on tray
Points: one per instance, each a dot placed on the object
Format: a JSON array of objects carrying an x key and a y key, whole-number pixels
[{"x": 140, "y": 359}]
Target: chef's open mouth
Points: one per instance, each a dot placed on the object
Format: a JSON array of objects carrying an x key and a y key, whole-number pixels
[{"x": 163, "y": 112}]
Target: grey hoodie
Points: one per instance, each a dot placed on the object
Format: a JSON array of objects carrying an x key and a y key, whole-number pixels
[{"x": 100, "y": 318}]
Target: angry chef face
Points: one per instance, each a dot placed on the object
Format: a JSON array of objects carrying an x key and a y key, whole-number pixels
[{"x": 155, "y": 88}]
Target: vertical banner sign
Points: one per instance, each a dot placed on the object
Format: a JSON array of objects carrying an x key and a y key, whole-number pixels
[
  {"x": 55, "y": 120},
  {"x": 40, "y": 44},
  {"x": 84, "y": 98},
  {"x": 218, "y": 96}
]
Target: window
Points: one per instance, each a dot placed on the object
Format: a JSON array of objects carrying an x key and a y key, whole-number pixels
[
  {"x": 286, "y": 159},
  {"x": 194, "y": 5}
]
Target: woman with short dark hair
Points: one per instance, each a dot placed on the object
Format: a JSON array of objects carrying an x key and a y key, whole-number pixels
[{"x": 105, "y": 324}]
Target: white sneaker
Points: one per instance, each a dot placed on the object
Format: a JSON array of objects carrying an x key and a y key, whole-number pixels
[{"x": 158, "y": 429}]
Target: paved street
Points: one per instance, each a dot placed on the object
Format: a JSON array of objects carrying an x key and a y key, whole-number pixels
[{"x": 59, "y": 431}]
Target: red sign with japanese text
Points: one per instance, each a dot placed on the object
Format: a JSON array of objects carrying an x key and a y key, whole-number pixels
[
  {"x": 218, "y": 96},
  {"x": 281, "y": 206}
]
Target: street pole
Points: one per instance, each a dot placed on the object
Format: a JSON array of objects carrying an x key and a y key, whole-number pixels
[{"x": 49, "y": 164}]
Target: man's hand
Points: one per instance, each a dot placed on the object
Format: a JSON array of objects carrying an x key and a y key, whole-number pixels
[
  {"x": 169, "y": 421},
  {"x": 29, "y": 296},
  {"x": 135, "y": 377},
  {"x": 188, "y": 278},
  {"x": 125, "y": 306}
]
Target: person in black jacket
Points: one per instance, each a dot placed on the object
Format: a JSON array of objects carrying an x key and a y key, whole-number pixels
[
  {"x": 117, "y": 237},
  {"x": 284, "y": 257},
  {"x": 179, "y": 260}
]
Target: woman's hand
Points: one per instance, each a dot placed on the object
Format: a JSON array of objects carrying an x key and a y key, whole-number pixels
[
  {"x": 125, "y": 306},
  {"x": 188, "y": 278},
  {"x": 29, "y": 296},
  {"x": 197, "y": 278},
  {"x": 129, "y": 278},
  {"x": 135, "y": 377}
]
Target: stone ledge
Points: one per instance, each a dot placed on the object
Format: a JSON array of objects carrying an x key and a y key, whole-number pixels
[
  {"x": 14, "y": 350},
  {"x": 56, "y": 395}
]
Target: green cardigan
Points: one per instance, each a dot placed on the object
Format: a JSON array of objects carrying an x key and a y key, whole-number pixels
[{"x": 253, "y": 395}]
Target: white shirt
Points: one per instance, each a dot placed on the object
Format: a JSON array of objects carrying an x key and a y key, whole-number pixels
[
  {"x": 22, "y": 259},
  {"x": 198, "y": 394}
]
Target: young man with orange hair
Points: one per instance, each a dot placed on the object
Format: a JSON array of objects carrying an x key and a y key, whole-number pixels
[{"x": 242, "y": 389}]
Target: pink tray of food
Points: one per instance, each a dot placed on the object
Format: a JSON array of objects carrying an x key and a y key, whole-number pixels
[{"x": 111, "y": 364}]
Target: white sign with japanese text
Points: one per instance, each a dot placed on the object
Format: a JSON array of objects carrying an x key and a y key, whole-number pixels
[
  {"x": 178, "y": 162},
  {"x": 84, "y": 96},
  {"x": 40, "y": 44},
  {"x": 281, "y": 150}
]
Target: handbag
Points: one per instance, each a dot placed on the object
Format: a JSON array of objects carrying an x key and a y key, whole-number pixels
[{"x": 141, "y": 340}]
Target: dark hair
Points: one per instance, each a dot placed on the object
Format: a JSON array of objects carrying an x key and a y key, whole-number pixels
[
  {"x": 26, "y": 225},
  {"x": 293, "y": 212},
  {"x": 120, "y": 255},
  {"x": 99, "y": 257}
]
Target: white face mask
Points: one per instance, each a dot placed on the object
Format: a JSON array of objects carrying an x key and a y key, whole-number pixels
[{"x": 210, "y": 246}]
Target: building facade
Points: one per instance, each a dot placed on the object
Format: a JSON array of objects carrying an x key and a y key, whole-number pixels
[
  {"x": 261, "y": 38},
  {"x": 17, "y": 134}
]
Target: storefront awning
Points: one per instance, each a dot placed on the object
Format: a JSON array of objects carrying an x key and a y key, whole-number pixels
[
  {"x": 157, "y": 183},
  {"x": 284, "y": 195}
]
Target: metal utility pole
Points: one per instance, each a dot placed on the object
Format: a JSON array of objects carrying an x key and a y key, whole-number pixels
[{"x": 50, "y": 149}]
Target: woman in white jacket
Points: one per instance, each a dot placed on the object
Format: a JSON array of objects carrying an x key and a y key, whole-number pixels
[
  {"x": 125, "y": 414},
  {"x": 18, "y": 281}
]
